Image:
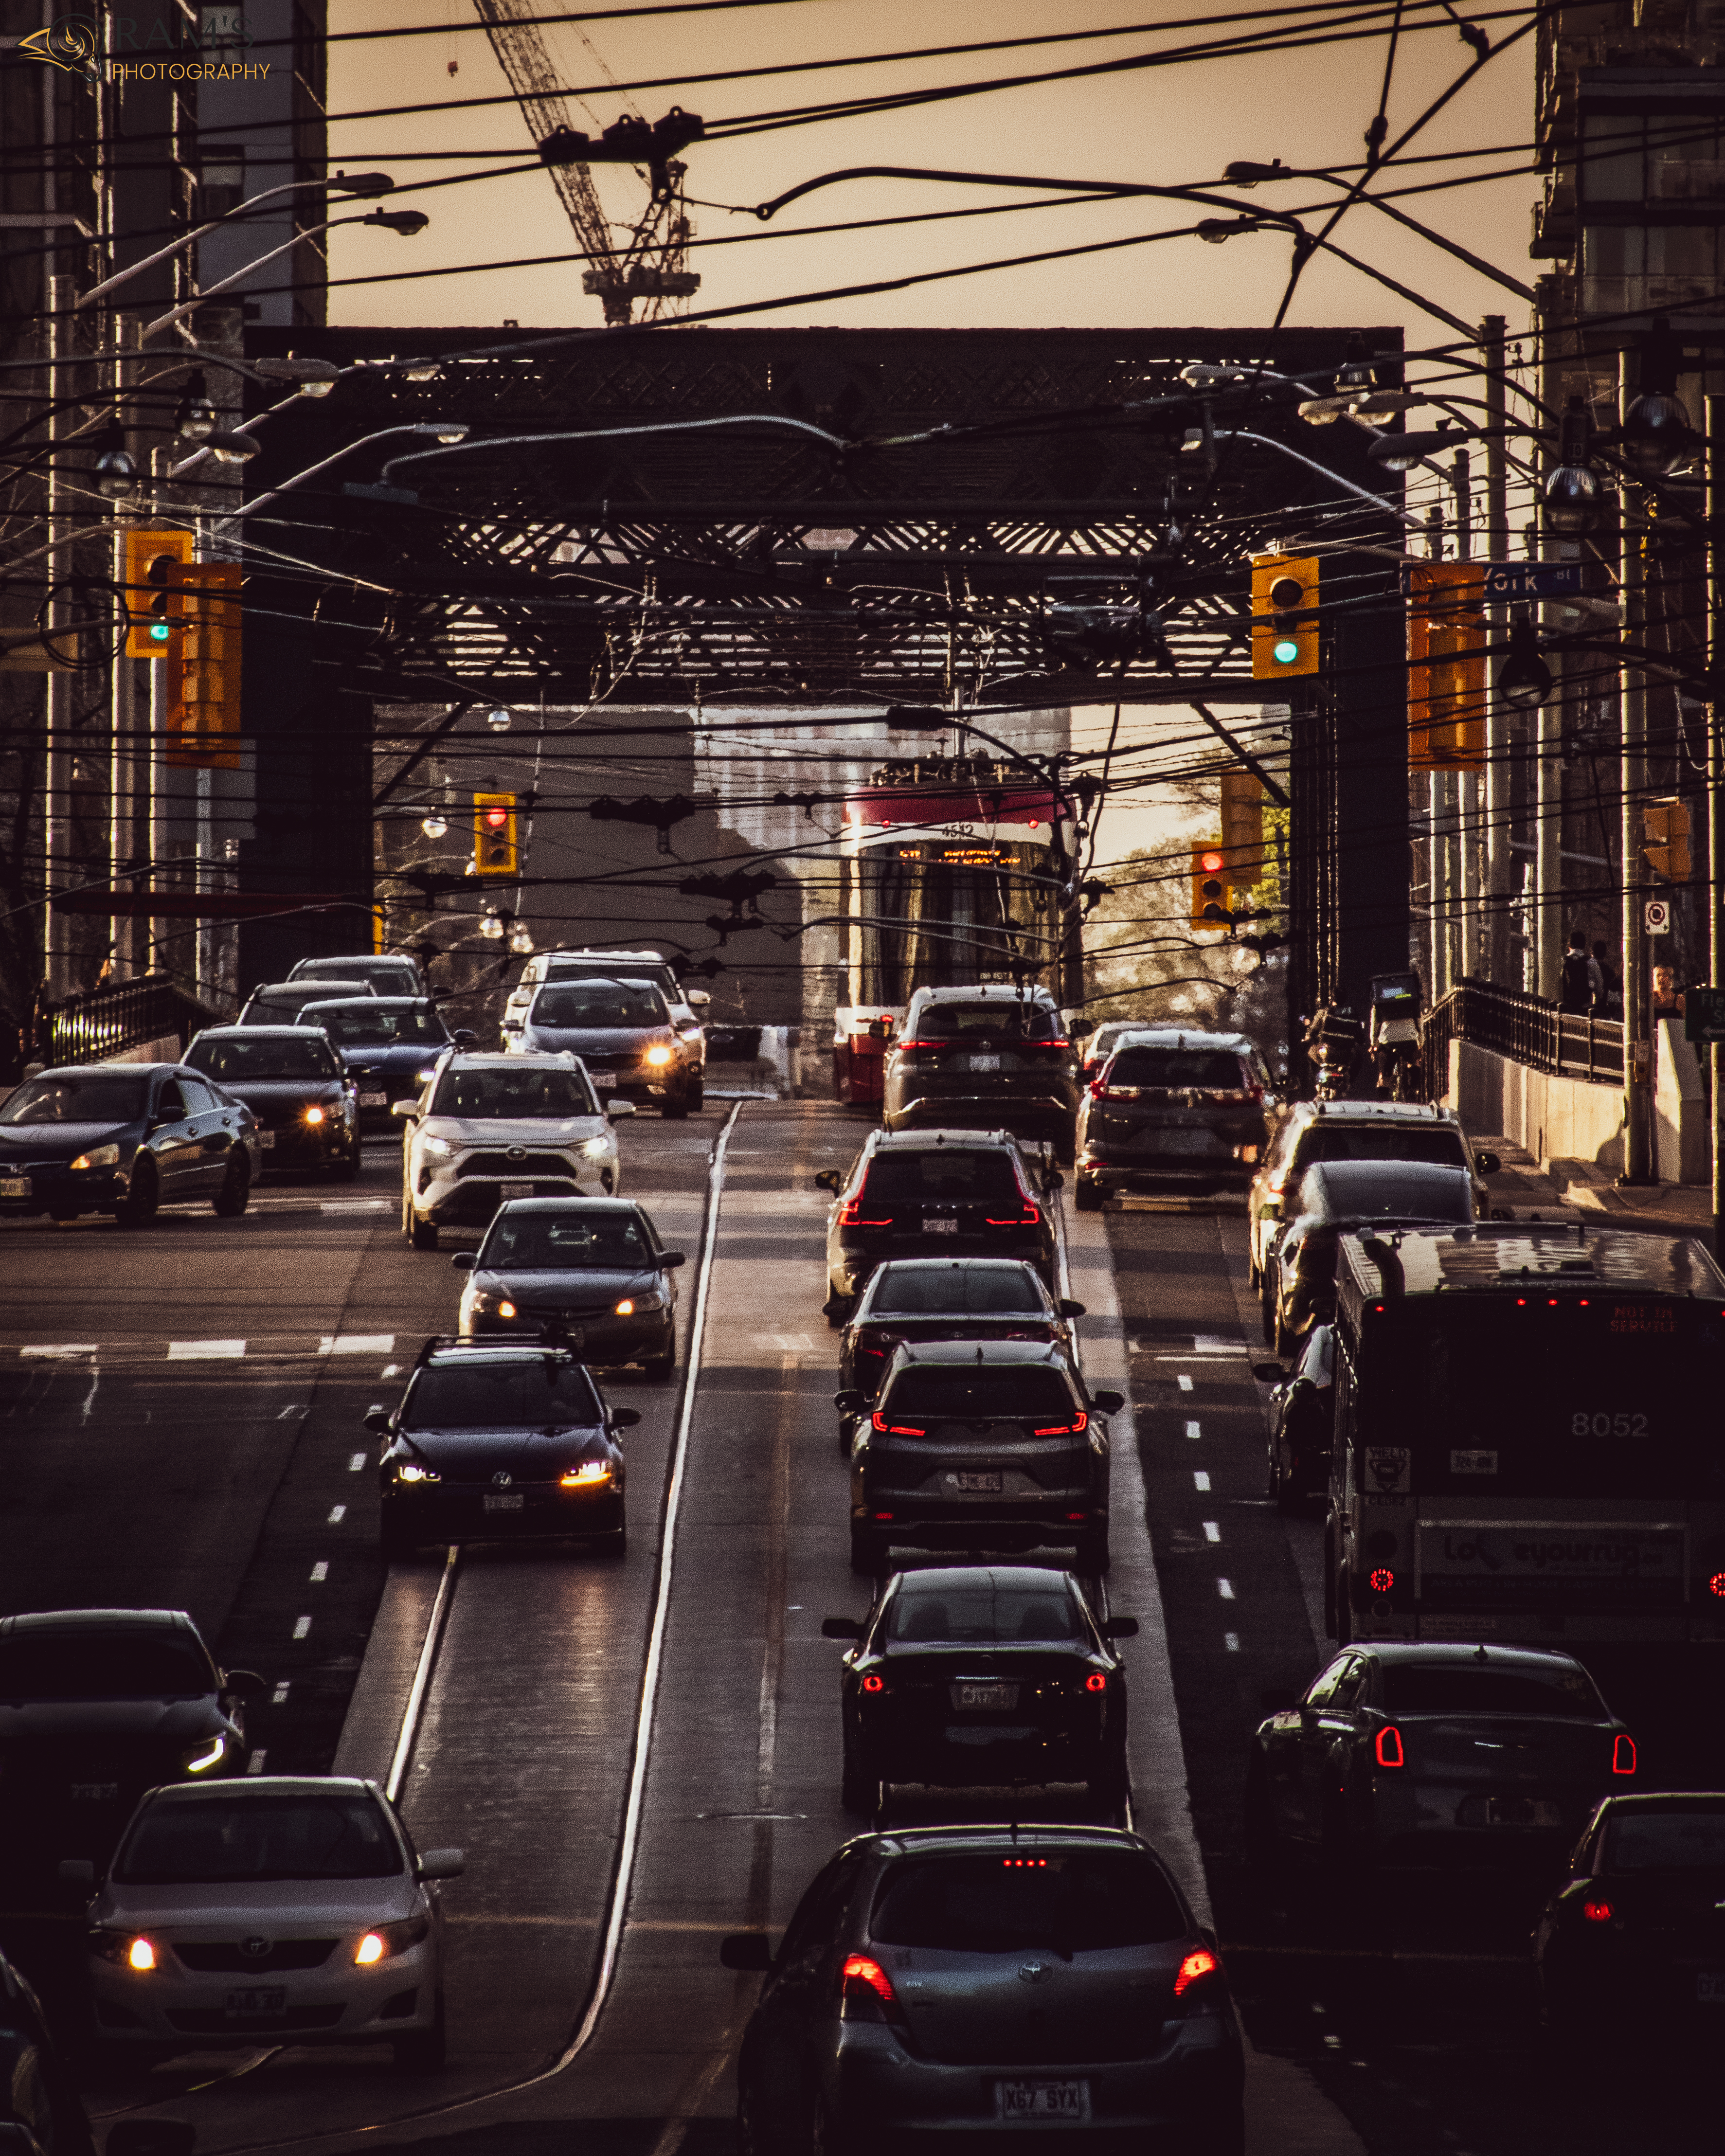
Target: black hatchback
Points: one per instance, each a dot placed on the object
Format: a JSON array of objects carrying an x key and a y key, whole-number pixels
[
  {"x": 949, "y": 1193},
  {"x": 973, "y": 1677},
  {"x": 992, "y": 1056},
  {"x": 985, "y": 1445},
  {"x": 500, "y": 1443}
]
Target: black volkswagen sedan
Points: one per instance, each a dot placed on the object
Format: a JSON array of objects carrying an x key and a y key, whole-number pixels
[
  {"x": 981, "y": 1675},
  {"x": 623, "y": 1032},
  {"x": 590, "y": 1273},
  {"x": 124, "y": 1139},
  {"x": 293, "y": 1082},
  {"x": 500, "y": 1443},
  {"x": 990, "y": 1445},
  {"x": 97, "y": 1706},
  {"x": 388, "y": 1045}
]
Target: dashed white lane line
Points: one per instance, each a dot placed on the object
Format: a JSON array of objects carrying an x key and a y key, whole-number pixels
[
  {"x": 357, "y": 1461},
  {"x": 1184, "y": 1382},
  {"x": 321, "y": 1571},
  {"x": 1230, "y": 1640},
  {"x": 337, "y": 1514},
  {"x": 255, "y": 1765},
  {"x": 205, "y": 1350},
  {"x": 1212, "y": 1532},
  {"x": 1224, "y": 1588},
  {"x": 55, "y": 1354},
  {"x": 355, "y": 1344},
  {"x": 1193, "y": 1430},
  {"x": 390, "y": 1370},
  {"x": 278, "y": 1696},
  {"x": 302, "y": 1626},
  {"x": 1200, "y": 1480}
]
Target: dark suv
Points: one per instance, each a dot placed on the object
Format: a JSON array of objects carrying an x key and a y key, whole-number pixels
[
  {"x": 946, "y": 1194},
  {"x": 994, "y": 1056},
  {"x": 1172, "y": 1110},
  {"x": 980, "y": 1445}
]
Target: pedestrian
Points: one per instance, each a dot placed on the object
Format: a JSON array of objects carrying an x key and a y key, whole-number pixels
[
  {"x": 1609, "y": 1001},
  {"x": 1581, "y": 981},
  {"x": 1667, "y": 998}
]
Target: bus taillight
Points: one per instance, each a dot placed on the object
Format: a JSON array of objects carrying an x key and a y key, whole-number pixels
[
  {"x": 1623, "y": 1753},
  {"x": 1388, "y": 1746}
]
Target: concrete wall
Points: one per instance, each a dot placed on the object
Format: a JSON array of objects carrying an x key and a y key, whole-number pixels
[
  {"x": 1552, "y": 1118},
  {"x": 1680, "y": 1109}
]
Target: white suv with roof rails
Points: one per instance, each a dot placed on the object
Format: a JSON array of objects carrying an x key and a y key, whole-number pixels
[{"x": 599, "y": 964}]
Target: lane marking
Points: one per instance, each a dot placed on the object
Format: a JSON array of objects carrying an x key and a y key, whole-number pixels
[
  {"x": 54, "y": 1354},
  {"x": 1224, "y": 1588},
  {"x": 302, "y": 1626},
  {"x": 1184, "y": 1382},
  {"x": 355, "y": 1344},
  {"x": 1230, "y": 1640},
  {"x": 205, "y": 1350},
  {"x": 1200, "y": 1480},
  {"x": 355, "y": 1205},
  {"x": 320, "y": 1570},
  {"x": 357, "y": 1461},
  {"x": 422, "y": 1675},
  {"x": 337, "y": 1514},
  {"x": 293, "y": 1414},
  {"x": 255, "y": 1765},
  {"x": 390, "y": 1370},
  {"x": 1193, "y": 1430},
  {"x": 278, "y": 1696},
  {"x": 1212, "y": 1532}
]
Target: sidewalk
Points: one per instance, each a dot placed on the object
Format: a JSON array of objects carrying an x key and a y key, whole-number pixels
[{"x": 1581, "y": 1190}]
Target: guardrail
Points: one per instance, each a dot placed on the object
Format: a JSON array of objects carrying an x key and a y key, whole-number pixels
[
  {"x": 125, "y": 1014},
  {"x": 1525, "y": 1029}
]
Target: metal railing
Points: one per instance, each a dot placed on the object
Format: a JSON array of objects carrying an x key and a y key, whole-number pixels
[
  {"x": 1525, "y": 1029},
  {"x": 125, "y": 1014}
]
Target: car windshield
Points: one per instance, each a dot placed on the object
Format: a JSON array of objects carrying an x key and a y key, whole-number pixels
[
  {"x": 232, "y": 1062},
  {"x": 981, "y": 1392},
  {"x": 916, "y": 1291},
  {"x": 96, "y": 1097},
  {"x": 381, "y": 1022},
  {"x": 1069, "y": 1899},
  {"x": 600, "y": 1005},
  {"x": 596, "y": 969},
  {"x": 1666, "y": 1841},
  {"x": 1013, "y": 1021},
  {"x": 282, "y": 1006},
  {"x": 1380, "y": 1141},
  {"x": 1210, "y": 1069},
  {"x": 971, "y": 1615},
  {"x": 942, "y": 1173},
  {"x": 517, "y": 1091},
  {"x": 397, "y": 975},
  {"x": 45, "y": 1665},
  {"x": 484, "y": 1393},
  {"x": 566, "y": 1242},
  {"x": 338, "y": 1836},
  {"x": 1462, "y": 1688},
  {"x": 1388, "y": 1190}
]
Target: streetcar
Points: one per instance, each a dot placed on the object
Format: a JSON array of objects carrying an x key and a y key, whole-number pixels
[{"x": 953, "y": 870}]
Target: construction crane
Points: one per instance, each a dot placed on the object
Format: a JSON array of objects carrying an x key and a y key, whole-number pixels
[{"x": 651, "y": 265}]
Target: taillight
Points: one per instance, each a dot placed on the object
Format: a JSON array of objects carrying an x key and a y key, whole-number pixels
[
  {"x": 1198, "y": 1965},
  {"x": 1388, "y": 1746},
  {"x": 1716, "y": 1585},
  {"x": 1066, "y": 1428},
  {"x": 850, "y": 1216},
  {"x": 1028, "y": 1217},
  {"x": 1382, "y": 1580},
  {"x": 1623, "y": 1754},
  {"x": 864, "y": 1982},
  {"x": 1095, "y": 1682},
  {"x": 1597, "y": 1912},
  {"x": 895, "y": 1429},
  {"x": 874, "y": 1682}
]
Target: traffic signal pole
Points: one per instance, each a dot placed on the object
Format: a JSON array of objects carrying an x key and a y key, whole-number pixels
[
  {"x": 1639, "y": 1163},
  {"x": 1715, "y": 788},
  {"x": 1494, "y": 937}
]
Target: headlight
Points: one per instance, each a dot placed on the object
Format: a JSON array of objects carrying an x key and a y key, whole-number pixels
[
  {"x": 650, "y": 1299},
  {"x": 124, "y": 1948},
  {"x": 410, "y": 1470},
  {"x": 596, "y": 1148},
  {"x": 587, "y": 1476},
  {"x": 387, "y": 1940},
  {"x": 438, "y": 1148},
  {"x": 202, "y": 1757},
  {"x": 658, "y": 1057},
  {"x": 425, "y": 1077},
  {"x": 99, "y": 1156},
  {"x": 314, "y": 1115}
]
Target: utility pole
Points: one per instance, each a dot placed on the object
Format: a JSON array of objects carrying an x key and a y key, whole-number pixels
[
  {"x": 128, "y": 767},
  {"x": 1716, "y": 787},
  {"x": 57, "y": 829},
  {"x": 1494, "y": 937},
  {"x": 1466, "y": 783},
  {"x": 1639, "y": 1166}
]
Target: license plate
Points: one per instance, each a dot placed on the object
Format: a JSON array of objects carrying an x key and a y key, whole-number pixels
[
  {"x": 94, "y": 1793},
  {"x": 1066, "y": 2101},
  {"x": 272, "y": 2000},
  {"x": 939, "y": 1227},
  {"x": 15, "y": 1186},
  {"x": 1710, "y": 1987},
  {"x": 984, "y": 1483},
  {"x": 266, "y": 1139},
  {"x": 602, "y": 1077},
  {"x": 985, "y": 1062},
  {"x": 518, "y": 1189},
  {"x": 374, "y": 1100},
  {"x": 983, "y": 1698},
  {"x": 512, "y": 1504}
]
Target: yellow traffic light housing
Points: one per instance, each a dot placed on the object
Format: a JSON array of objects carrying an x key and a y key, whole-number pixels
[
  {"x": 1666, "y": 841},
  {"x": 156, "y": 562},
  {"x": 1285, "y": 620},
  {"x": 1212, "y": 894},
  {"x": 495, "y": 846}
]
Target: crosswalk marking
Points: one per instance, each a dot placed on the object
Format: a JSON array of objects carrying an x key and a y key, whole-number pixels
[
  {"x": 355, "y": 1344},
  {"x": 205, "y": 1350}
]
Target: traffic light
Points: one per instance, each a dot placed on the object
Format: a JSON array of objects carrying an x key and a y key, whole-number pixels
[
  {"x": 1284, "y": 629},
  {"x": 1211, "y": 895},
  {"x": 1446, "y": 665},
  {"x": 205, "y": 652},
  {"x": 155, "y": 562},
  {"x": 1666, "y": 843},
  {"x": 496, "y": 851},
  {"x": 1243, "y": 828}
]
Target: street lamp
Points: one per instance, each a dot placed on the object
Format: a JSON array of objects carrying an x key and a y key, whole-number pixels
[
  {"x": 442, "y": 430},
  {"x": 196, "y": 418},
  {"x": 1656, "y": 436},
  {"x": 1524, "y": 680},
  {"x": 116, "y": 474},
  {"x": 1401, "y": 452},
  {"x": 1572, "y": 492},
  {"x": 500, "y": 720},
  {"x": 231, "y": 448},
  {"x": 310, "y": 377},
  {"x": 407, "y": 222}
]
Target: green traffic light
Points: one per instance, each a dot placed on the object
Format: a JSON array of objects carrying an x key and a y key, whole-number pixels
[
  {"x": 1284, "y": 650},
  {"x": 159, "y": 632}
]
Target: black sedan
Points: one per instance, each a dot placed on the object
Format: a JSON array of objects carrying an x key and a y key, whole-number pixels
[
  {"x": 293, "y": 1082},
  {"x": 500, "y": 1443},
  {"x": 388, "y": 1045},
  {"x": 589, "y": 1273},
  {"x": 124, "y": 1140},
  {"x": 1302, "y": 1422},
  {"x": 976, "y": 1676},
  {"x": 97, "y": 1706},
  {"x": 1632, "y": 1943},
  {"x": 1340, "y": 1198}
]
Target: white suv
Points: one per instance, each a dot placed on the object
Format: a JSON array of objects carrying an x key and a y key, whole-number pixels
[
  {"x": 685, "y": 1004},
  {"x": 491, "y": 1127}
]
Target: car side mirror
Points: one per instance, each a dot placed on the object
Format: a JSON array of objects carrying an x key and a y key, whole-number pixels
[
  {"x": 1068, "y": 1308},
  {"x": 1081, "y": 1030},
  {"x": 1052, "y": 1181},
  {"x": 1269, "y": 1373},
  {"x": 829, "y": 1179},
  {"x": 245, "y": 1684},
  {"x": 624, "y": 1418},
  {"x": 1277, "y": 1699},
  {"x": 464, "y": 1261},
  {"x": 1107, "y": 1403},
  {"x": 441, "y": 1864},
  {"x": 1120, "y": 1628},
  {"x": 151, "y": 2137},
  {"x": 78, "y": 1872},
  {"x": 668, "y": 1261},
  {"x": 840, "y": 1627},
  {"x": 377, "y": 1420},
  {"x": 849, "y": 1403},
  {"x": 696, "y": 999},
  {"x": 746, "y": 1950},
  {"x": 1487, "y": 1163},
  {"x": 617, "y": 1109},
  {"x": 402, "y": 1110}
]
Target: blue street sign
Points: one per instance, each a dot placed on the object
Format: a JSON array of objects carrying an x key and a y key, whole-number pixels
[{"x": 1517, "y": 580}]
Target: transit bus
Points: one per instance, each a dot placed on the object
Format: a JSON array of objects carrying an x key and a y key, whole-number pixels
[
  {"x": 1527, "y": 1440},
  {"x": 953, "y": 870}
]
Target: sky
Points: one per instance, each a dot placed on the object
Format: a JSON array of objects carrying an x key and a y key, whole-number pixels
[{"x": 1169, "y": 125}]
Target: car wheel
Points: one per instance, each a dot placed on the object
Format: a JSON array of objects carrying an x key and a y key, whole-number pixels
[
  {"x": 1262, "y": 1852},
  {"x": 868, "y": 1554},
  {"x": 1343, "y": 1593},
  {"x": 395, "y": 1542},
  {"x": 345, "y": 1170},
  {"x": 1287, "y": 1345},
  {"x": 422, "y": 1234},
  {"x": 141, "y": 1200},
  {"x": 674, "y": 1111},
  {"x": 1109, "y": 1786},
  {"x": 660, "y": 1369},
  {"x": 697, "y": 1096},
  {"x": 1093, "y": 1554},
  {"x": 235, "y": 1194},
  {"x": 616, "y": 1547},
  {"x": 847, "y": 1437},
  {"x": 857, "y": 1789},
  {"x": 1087, "y": 1195},
  {"x": 425, "y": 2050},
  {"x": 1266, "y": 1305}
]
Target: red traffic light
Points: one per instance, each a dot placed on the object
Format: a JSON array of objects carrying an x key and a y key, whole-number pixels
[
  {"x": 497, "y": 818},
  {"x": 1212, "y": 862}
]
